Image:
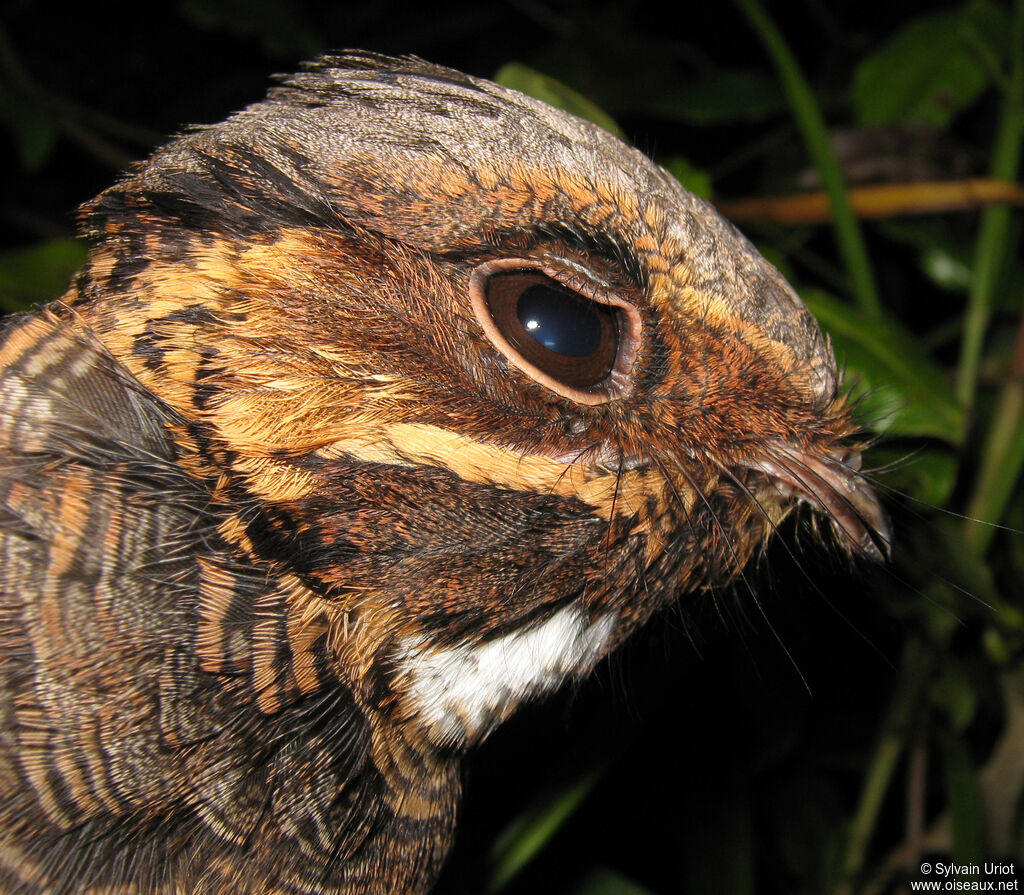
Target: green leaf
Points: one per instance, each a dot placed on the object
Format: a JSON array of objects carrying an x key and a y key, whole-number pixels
[
  {"x": 947, "y": 258},
  {"x": 38, "y": 273},
  {"x": 803, "y": 812},
  {"x": 956, "y": 694},
  {"x": 965, "y": 807},
  {"x": 928, "y": 474},
  {"x": 723, "y": 96},
  {"x": 810, "y": 119},
  {"x": 279, "y": 26},
  {"x": 933, "y": 68},
  {"x": 717, "y": 855},
  {"x": 998, "y": 649},
  {"x": 527, "y": 80},
  {"x": 899, "y": 390},
  {"x": 1015, "y": 551},
  {"x": 946, "y": 269},
  {"x": 607, "y": 882},
  {"x": 31, "y": 126},
  {"x": 694, "y": 179},
  {"x": 532, "y": 830}
]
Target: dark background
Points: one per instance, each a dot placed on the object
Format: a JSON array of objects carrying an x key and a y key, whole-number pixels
[
  {"x": 726, "y": 748},
  {"x": 159, "y": 68}
]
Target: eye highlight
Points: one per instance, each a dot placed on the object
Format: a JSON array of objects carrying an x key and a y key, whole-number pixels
[
  {"x": 568, "y": 336},
  {"x": 578, "y": 345}
]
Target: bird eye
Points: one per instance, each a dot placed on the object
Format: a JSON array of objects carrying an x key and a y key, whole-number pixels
[
  {"x": 575, "y": 344},
  {"x": 571, "y": 338}
]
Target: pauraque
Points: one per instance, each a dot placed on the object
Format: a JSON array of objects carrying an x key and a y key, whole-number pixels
[{"x": 393, "y": 401}]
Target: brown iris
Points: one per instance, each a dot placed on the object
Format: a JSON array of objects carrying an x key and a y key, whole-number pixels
[
  {"x": 575, "y": 344},
  {"x": 569, "y": 337}
]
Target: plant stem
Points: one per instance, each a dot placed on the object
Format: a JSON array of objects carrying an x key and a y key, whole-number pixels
[
  {"x": 895, "y": 736},
  {"x": 1002, "y": 457},
  {"x": 812, "y": 126},
  {"x": 990, "y": 249}
]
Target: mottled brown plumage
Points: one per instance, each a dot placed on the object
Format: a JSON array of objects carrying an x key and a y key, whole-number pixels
[{"x": 298, "y": 499}]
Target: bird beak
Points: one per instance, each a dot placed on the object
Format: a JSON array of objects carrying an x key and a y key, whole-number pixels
[{"x": 834, "y": 486}]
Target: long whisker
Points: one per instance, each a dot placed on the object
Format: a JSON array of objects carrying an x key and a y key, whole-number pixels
[
  {"x": 880, "y": 485},
  {"x": 819, "y": 489},
  {"x": 799, "y": 565},
  {"x": 678, "y": 498},
  {"x": 615, "y": 499},
  {"x": 921, "y": 518},
  {"x": 899, "y": 462},
  {"x": 753, "y": 593},
  {"x": 741, "y": 574}
]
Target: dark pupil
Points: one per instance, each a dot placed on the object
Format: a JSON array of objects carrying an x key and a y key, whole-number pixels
[
  {"x": 558, "y": 332},
  {"x": 559, "y": 321}
]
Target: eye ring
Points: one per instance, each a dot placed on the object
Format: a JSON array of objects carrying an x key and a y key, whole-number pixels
[{"x": 581, "y": 343}]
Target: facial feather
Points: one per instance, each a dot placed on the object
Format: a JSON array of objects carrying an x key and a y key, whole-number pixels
[{"x": 391, "y": 512}]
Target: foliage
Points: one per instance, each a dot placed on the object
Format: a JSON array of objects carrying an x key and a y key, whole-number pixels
[
  {"x": 934, "y": 68},
  {"x": 699, "y": 761}
]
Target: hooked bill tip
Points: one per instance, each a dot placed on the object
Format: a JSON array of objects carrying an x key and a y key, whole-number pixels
[{"x": 836, "y": 488}]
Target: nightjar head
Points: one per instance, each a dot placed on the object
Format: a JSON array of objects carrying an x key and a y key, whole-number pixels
[{"x": 480, "y": 386}]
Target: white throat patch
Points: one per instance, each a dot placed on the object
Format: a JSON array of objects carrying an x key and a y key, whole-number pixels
[{"x": 461, "y": 693}]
